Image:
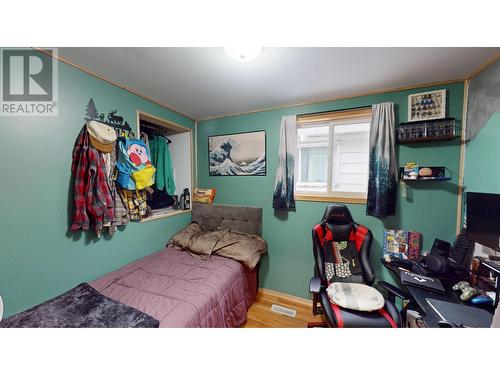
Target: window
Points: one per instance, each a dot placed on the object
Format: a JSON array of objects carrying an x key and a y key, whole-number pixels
[{"x": 332, "y": 156}]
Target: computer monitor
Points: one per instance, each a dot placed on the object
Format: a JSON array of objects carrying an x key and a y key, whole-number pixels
[{"x": 483, "y": 218}]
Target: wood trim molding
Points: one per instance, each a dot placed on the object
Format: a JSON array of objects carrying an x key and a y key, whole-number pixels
[
  {"x": 141, "y": 115},
  {"x": 279, "y": 296},
  {"x": 196, "y": 153},
  {"x": 99, "y": 76},
  {"x": 483, "y": 66},
  {"x": 334, "y": 115},
  {"x": 462, "y": 157},
  {"x": 330, "y": 99},
  {"x": 322, "y": 198}
]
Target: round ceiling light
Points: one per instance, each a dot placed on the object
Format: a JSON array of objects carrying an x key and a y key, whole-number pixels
[{"x": 243, "y": 54}]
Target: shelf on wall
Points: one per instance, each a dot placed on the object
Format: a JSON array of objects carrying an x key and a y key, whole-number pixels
[
  {"x": 423, "y": 131},
  {"x": 426, "y": 179},
  {"x": 427, "y": 140},
  {"x": 439, "y": 174}
]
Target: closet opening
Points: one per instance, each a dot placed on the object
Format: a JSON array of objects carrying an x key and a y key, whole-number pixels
[{"x": 170, "y": 147}]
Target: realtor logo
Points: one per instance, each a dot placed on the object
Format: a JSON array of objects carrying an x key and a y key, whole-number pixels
[{"x": 29, "y": 82}]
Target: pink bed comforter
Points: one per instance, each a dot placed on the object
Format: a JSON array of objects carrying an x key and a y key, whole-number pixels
[{"x": 183, "y": 291}]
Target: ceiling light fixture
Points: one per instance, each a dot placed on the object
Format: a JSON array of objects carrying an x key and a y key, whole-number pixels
[{"x": 243, "y": 54}]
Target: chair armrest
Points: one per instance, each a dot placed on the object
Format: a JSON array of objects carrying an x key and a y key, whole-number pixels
[
  {"x": 315, "y": 285},
  {"x": 393, "y": 291}
]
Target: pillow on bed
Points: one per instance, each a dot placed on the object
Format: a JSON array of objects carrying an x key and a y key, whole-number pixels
[
  {"x": 202, "y": 245},
  {"x": 182, "y": 238},
  {"x": 242, "y": 247}
]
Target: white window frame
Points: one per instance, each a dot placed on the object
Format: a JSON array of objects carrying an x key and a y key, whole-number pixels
[
  {"x": 330, "y": 195},
  {"x": 299, "y": 157}
]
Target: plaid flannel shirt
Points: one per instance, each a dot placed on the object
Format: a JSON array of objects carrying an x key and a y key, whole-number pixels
[
  {"x": 136, "y": 202},
  {"x": 92, "y": 196}
]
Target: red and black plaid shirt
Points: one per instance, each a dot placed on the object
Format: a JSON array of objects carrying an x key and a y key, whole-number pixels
[{"x": 92, "y": 196}]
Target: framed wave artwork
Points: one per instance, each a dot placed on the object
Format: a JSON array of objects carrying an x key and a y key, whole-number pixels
[{"x": 241, "y": 154}]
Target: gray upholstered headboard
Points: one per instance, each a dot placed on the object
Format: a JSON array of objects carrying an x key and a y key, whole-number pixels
[{"x": 240, "y": 218}]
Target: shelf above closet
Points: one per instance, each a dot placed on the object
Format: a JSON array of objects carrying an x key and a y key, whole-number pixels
[{"x": 162, "y": 216}]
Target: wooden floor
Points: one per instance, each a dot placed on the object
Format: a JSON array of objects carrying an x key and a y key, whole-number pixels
[{"x": 261, "y": 316}]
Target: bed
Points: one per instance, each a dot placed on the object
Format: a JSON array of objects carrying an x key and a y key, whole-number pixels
[{"x": 173, "y": 287}]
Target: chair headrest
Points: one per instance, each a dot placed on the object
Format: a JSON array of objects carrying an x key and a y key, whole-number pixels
[{"x": 337, "y": 214}]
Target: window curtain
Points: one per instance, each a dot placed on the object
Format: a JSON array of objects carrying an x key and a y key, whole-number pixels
[
  {"x": 283, "y": 198},
  {"x": 382, "y": 182}
]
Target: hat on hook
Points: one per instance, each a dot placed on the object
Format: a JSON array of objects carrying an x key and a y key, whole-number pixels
[
  {"x": 102, "y": 137},
  {"x": 103, "y": 147}
]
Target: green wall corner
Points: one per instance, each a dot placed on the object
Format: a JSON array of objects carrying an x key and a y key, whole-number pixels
[{"x": 482, "y": 162}]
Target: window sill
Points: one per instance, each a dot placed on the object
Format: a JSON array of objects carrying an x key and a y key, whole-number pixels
[
  {"x": 324, "y": 198},
  {"x": 163, "y": 216}
]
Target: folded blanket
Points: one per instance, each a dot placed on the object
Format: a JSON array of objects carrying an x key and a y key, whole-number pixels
[
  {"x": 82, "y": 306},
  {"x": 243, "y": 247},
  {"x": 204, "y": 244}
]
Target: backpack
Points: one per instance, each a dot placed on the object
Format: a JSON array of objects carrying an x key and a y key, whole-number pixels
[{"x": 135, "y": 171}]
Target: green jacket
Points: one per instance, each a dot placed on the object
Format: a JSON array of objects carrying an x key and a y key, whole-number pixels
[{"x": 161, "y": 159}]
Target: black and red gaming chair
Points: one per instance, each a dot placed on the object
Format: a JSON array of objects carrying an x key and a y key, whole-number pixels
[{"x": 337, "y": 226}]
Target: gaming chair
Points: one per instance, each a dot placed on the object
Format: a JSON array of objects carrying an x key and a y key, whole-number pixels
[{"x": 338, "y": 226}]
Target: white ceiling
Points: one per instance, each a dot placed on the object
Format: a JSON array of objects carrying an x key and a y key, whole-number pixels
[{"x": 203, "y": 82}]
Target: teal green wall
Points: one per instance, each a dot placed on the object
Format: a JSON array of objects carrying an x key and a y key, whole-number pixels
[
  {"x": 482, "y": 161},
  {"x": 429, "y": 207},
  {"x": 38, "y": 259}
]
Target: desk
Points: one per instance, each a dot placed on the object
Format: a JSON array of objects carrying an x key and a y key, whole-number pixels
[{"x": 419, "y": 295}]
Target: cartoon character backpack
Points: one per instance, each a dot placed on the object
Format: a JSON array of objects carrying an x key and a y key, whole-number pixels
[{"x": 135, "y": 171}]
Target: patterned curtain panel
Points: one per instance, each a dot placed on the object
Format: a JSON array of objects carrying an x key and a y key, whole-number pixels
[
  {"x": 283, "y": 198},
  {"x": 382, "y": 183}
]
